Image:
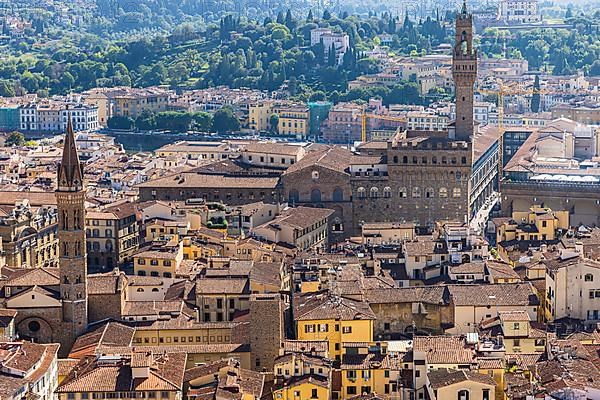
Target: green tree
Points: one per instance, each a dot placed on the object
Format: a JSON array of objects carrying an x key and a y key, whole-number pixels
[
  {"x": 224, "y": 120},
  {"x": 274, "y": 122},
  {"x": 326, "y": 15},
  {"x": 173, "y": 121},
  {"x": 15, "y": 139},
  {"x": 318, "y": 95},
  {"x": 7, "y": 89},
  {"x": 120, "y": 122},
  {"x": 202, "y": 121},
  {"x": 146, "y": 121},
  {"x": 535, "y": 99},
  {"x": 331, "y": 59},
  {"x": 595, "y": 68},
  {"x": 289, "y": 20}
]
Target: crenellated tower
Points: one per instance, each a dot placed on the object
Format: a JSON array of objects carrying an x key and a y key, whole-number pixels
[
  {"x": 464, "y": 72},
  {"x": 70, "y": 198}
]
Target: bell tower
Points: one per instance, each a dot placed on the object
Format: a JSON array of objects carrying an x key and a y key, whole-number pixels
[
  {"x": 70, "y": 198},
  {"x": 464, "y": 72}
]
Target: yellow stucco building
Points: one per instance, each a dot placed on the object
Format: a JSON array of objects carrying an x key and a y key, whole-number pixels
[{"x": 321, "y": 316}]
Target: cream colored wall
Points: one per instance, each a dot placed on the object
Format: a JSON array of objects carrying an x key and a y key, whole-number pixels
[
  {"x": 466, "y": 318},
  {"x": 475, "y": 391},
  {"x": 35, "y": 300}
]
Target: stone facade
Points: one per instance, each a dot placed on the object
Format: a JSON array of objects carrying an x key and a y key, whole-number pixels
[
  {"x": 318, "y": 185},
  {"x": 266, "y": 330},
  {"x": 397, "y": 319},
  {"x": 418, "y": 176},
  {"x": 104, "y": 306},
  {"x": 426, "y": 180},
  {"x": 464, "y": 72}
]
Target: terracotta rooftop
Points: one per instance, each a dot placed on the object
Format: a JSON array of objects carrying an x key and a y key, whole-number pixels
[
  {"x": 300, "y": 217},
  {"x": 334, "y": 158},
  {"x": 424, "y": 294},
  {"x": 208, "y": 181},
  {"x": 165, "y": 373},
  {"x": 506, "y": 294},
  {"x": 513, "y": 316},
  {"x": 222, "y": 286},
  {"x": 319, "y": 306},
  {"x": 443, "y": 377},
  {"x": 444, "y": 349}
]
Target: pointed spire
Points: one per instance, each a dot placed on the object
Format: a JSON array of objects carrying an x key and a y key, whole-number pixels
[
  {"x": 463, "y": 11},
  {"x": 70, "y": 173}
]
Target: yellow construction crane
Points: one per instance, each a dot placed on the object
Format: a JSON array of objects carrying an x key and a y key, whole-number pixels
[{"x": 366, "y": 116}]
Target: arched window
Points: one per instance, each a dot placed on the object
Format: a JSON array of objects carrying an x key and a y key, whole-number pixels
[
  {"x": 338, "y": 194},
  {"x": 444, "y": 160},
  {"x": 403, "y": 193},
  {"x": 108, "y": 233},
  {"x": 434, "y": 160},
  {"x": 76, "y": 220},
  {"x": 109, "y": 245},
  {"x": 315, "y": 175},
  {"x": 416, "y": 192},
  {"x": 65, "y": 250},
  {"x": 65, "y": 220},
  {"x": 374, "y": 193},
  {"x": 140, "y": 290},
  {"x": 155, "y": 290},
  {"x": 387, "y": 192},
  {"x": 405, "y": 160},
  {"x": 395, "y": 159},
  {"x": 458, "y": 176},
  {"x": 293, "y": 196},
  {"x": 443, "y": 192},
  {"x": 456, "y": 192},
  {"x": 361, "y": 193},
  {"x": 429, "y": 193},
  {"x": 315, "y": 196}
]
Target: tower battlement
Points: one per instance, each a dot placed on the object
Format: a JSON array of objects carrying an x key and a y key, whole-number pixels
[{"x": 464, "y": 72}]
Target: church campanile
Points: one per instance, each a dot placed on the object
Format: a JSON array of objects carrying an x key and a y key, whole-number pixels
[
  {"x": 70, "y": 198},
  {"x": 464, "y": 72}
]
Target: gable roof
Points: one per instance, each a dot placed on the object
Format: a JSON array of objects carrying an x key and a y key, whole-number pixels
[
  {"x": 34, "y": 276},
  {"x": 505, "y": 294},
  {"x": 322, "y": 305},
  {"x": 422, "y": 294},
  {"x": 166, "y": 373},
  {"x": 443, "y": 377},
  {"x": 335, "y": 158},
  {"x": 444, "y": 349}
]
